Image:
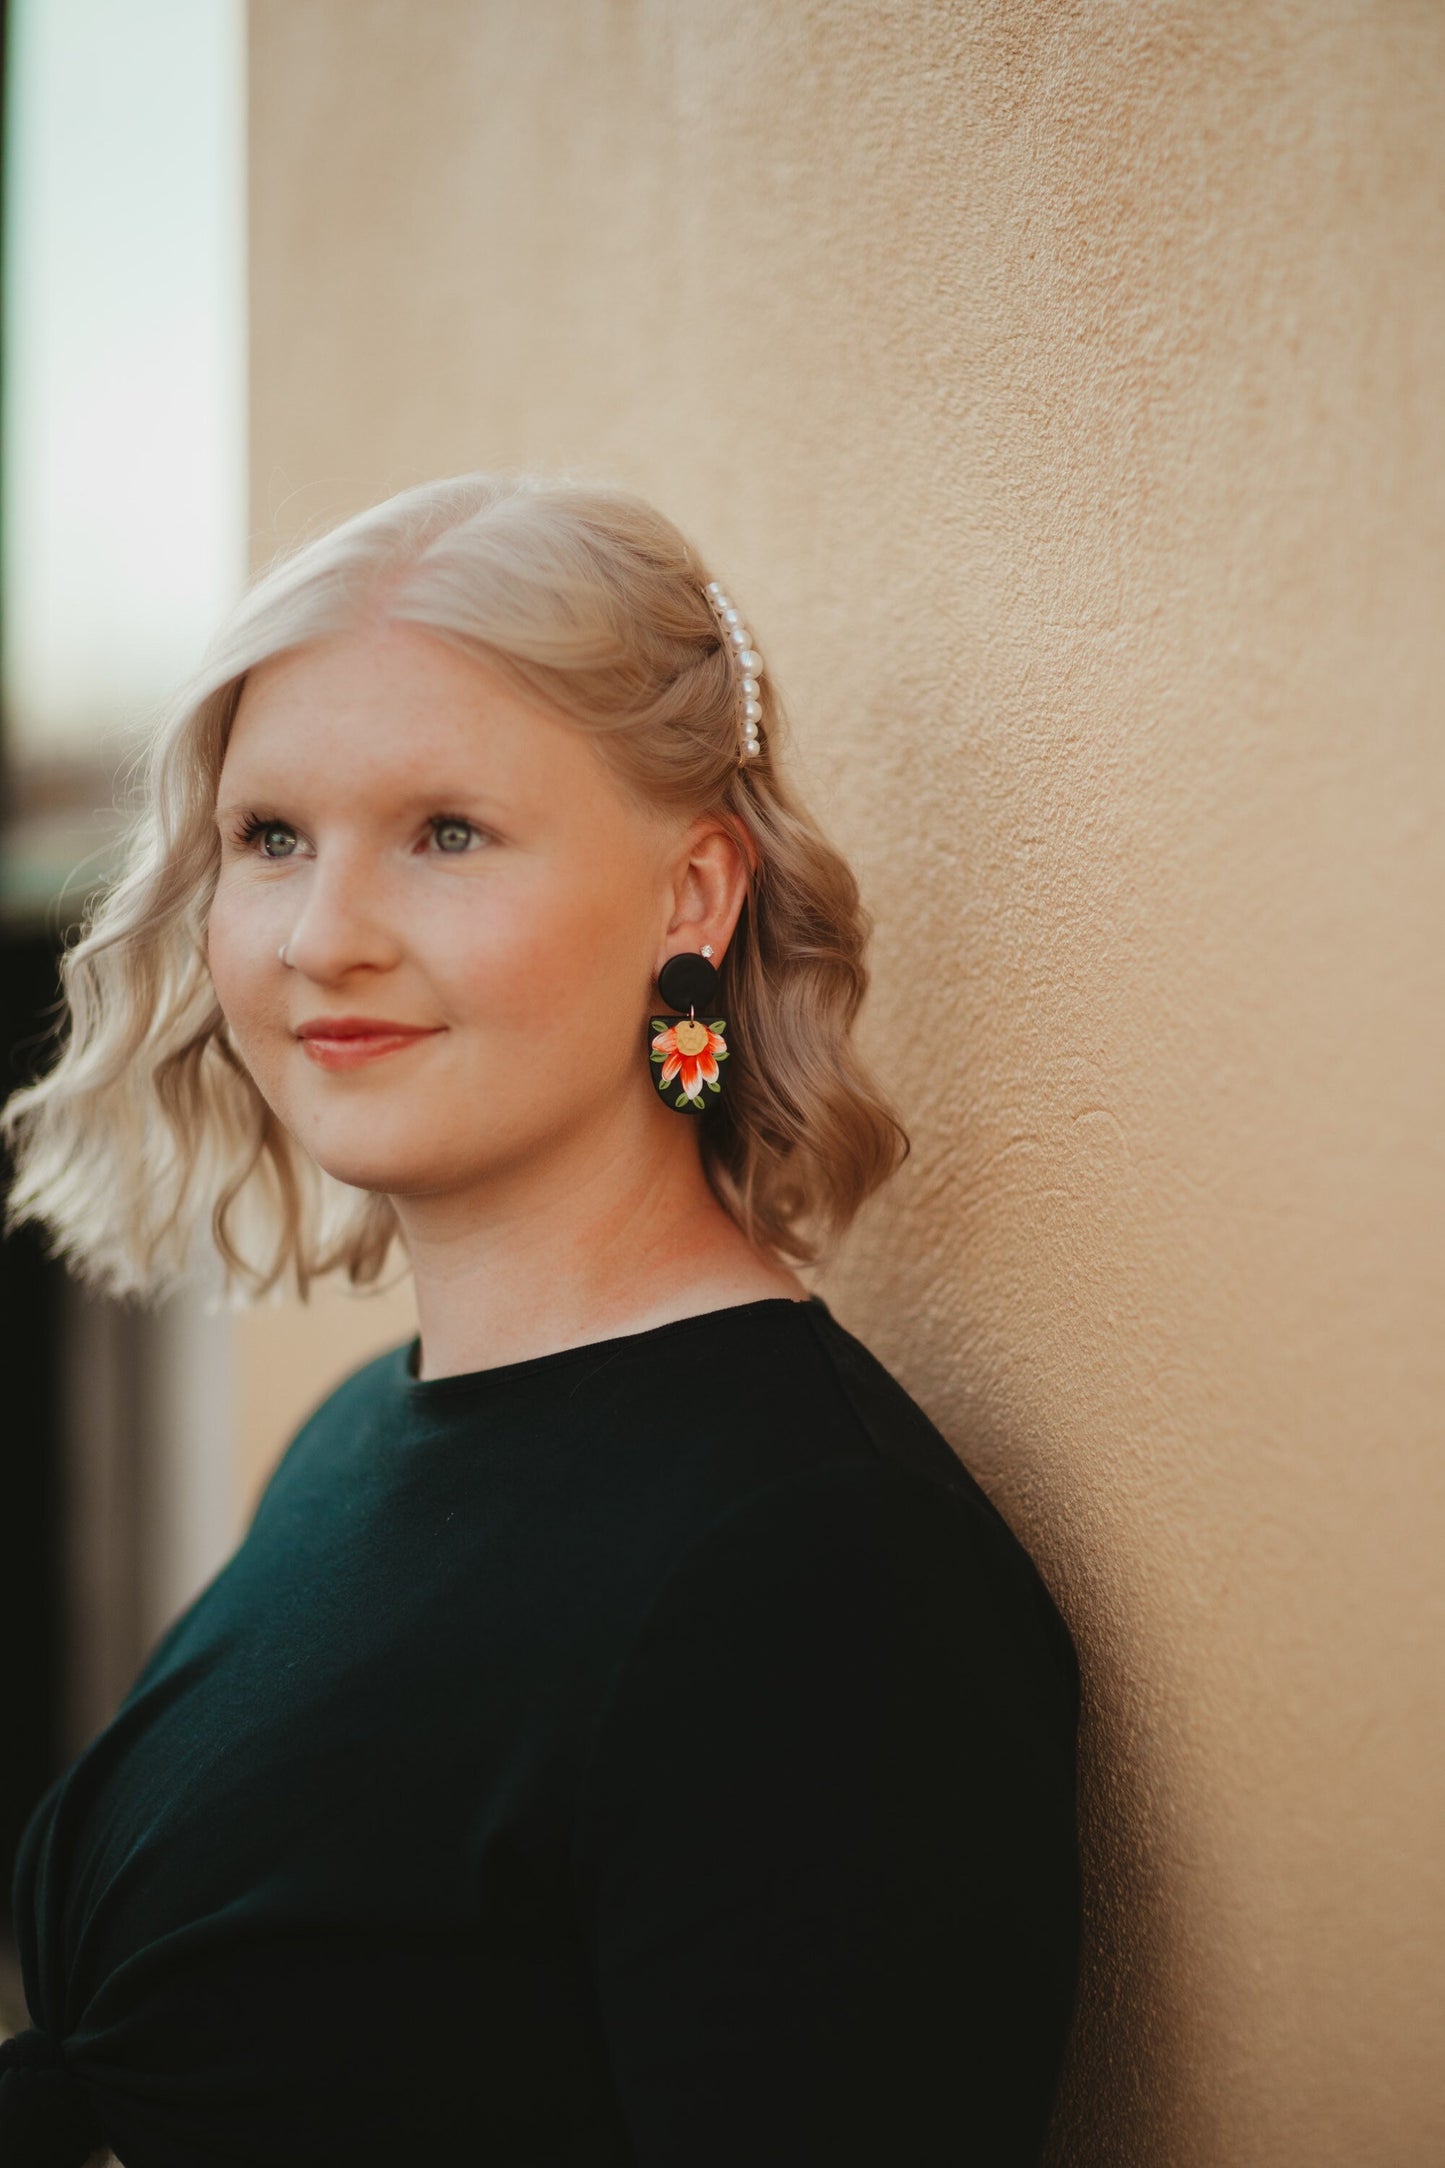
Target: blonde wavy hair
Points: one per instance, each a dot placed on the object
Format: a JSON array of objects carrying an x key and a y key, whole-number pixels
[{"x": 148, "y": 1127}]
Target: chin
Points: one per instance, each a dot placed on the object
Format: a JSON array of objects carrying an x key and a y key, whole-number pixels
[
  {"x": 420, "y": 1146},
  {"x": 373, "y": 1147},
  {"x": 377, "y": 1172}
]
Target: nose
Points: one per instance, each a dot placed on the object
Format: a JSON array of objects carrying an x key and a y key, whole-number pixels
[{"x": 342, "y": 921}]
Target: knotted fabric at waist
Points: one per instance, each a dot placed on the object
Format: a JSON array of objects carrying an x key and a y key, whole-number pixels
[{"x": 47, "y": 2115}]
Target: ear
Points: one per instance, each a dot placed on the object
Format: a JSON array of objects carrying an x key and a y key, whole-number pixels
[{"x": 708, "y": 889}]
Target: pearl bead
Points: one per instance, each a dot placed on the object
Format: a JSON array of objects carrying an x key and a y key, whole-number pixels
[
  {"x": 753, "y": 709},
  {"x": 740, "y": 636},
  {"x": 751, "y": 661},
  {"x": 732, "y": 616},
  {"x": 712, "y": 589},
  {"x": 750, "y": 688}
]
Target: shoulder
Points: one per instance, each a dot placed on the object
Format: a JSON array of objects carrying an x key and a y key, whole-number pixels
[
  {"x": 908, "y": 1485},
  {"x": 330, "y": 1432},
  {"x": 848, "y": 1661},
  {"x": 768, "y": 1442},
  {"x": 856, "y": 1566}
]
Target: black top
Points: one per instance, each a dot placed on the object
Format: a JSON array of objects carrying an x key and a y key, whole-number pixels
[{"x": 652, "y": 1754}]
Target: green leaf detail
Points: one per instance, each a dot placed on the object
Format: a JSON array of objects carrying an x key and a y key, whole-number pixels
[
  {"x": 683, "y": 1101},
  {"x": 720, "y": 1025},
  {"x": 720, "y": 1053},
  {"x": 711, "y": 1086},
  {"x": 659, "y": 1054}
]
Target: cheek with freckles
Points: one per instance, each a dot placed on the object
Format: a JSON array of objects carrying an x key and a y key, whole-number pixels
[
  {"x": 559, "y": 976},
  {"x": 255, "y": 1009},
  {"x": 250, "y": 993}
]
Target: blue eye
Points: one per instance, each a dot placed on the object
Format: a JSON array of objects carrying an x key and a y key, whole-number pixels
[
  {"x": 454, "y": 820},
  {"x": 253, "y": 825},
  {"x": 256, "y": 824}
]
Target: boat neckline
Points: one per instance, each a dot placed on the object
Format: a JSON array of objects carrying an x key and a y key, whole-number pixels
[{"x": 422, "y": 1390}]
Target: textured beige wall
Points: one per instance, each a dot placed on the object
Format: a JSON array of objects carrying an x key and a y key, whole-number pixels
[{"x": 1060, "y": 388}]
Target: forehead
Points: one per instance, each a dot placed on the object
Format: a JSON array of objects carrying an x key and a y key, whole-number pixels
[
  {"x": 395, "y": 680},
  {"x": 383, "y": 709}
]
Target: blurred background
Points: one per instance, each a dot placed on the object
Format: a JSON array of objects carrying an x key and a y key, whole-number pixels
[
  {"x": 1059, "y": 388},
  {"x": 123, "y": 536}
]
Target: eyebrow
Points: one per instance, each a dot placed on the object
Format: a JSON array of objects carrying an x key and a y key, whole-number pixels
[{"x": 413, "y": 802}]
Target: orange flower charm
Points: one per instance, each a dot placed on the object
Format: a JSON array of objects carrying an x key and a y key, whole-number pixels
[{"x": 687, "y": 1051}]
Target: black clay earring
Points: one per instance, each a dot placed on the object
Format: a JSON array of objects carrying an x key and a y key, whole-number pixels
[{"x": 686, "y": 1049}]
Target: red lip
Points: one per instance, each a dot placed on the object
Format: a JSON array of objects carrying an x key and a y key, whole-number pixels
[{"x": 360, "y": 1027}]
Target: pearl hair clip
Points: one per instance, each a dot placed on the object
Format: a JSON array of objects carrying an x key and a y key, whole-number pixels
[{"x": 750, "y": 662}]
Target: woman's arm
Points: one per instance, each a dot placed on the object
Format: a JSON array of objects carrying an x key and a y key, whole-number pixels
[{"x": 826, "y": 1852}]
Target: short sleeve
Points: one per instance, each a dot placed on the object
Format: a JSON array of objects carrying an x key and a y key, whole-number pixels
[{"x": 826, "y": 1844}]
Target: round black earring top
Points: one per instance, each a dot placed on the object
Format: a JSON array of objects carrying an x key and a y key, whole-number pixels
[{"x": 689, "y": 981}]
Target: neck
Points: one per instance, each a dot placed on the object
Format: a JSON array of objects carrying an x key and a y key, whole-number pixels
[{"x": 608, "y": 1234}]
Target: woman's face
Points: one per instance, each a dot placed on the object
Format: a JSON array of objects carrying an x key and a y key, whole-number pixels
[{"x": 439, "y": 853}]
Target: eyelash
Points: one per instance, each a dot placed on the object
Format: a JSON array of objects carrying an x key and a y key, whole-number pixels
[{"x": 252, "y": 825}]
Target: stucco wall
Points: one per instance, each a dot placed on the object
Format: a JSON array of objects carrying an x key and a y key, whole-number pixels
[{"x": 1059, "y": 387}]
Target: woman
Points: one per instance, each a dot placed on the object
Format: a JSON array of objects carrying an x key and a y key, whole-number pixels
[{"x": 626, "y": 1733}]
